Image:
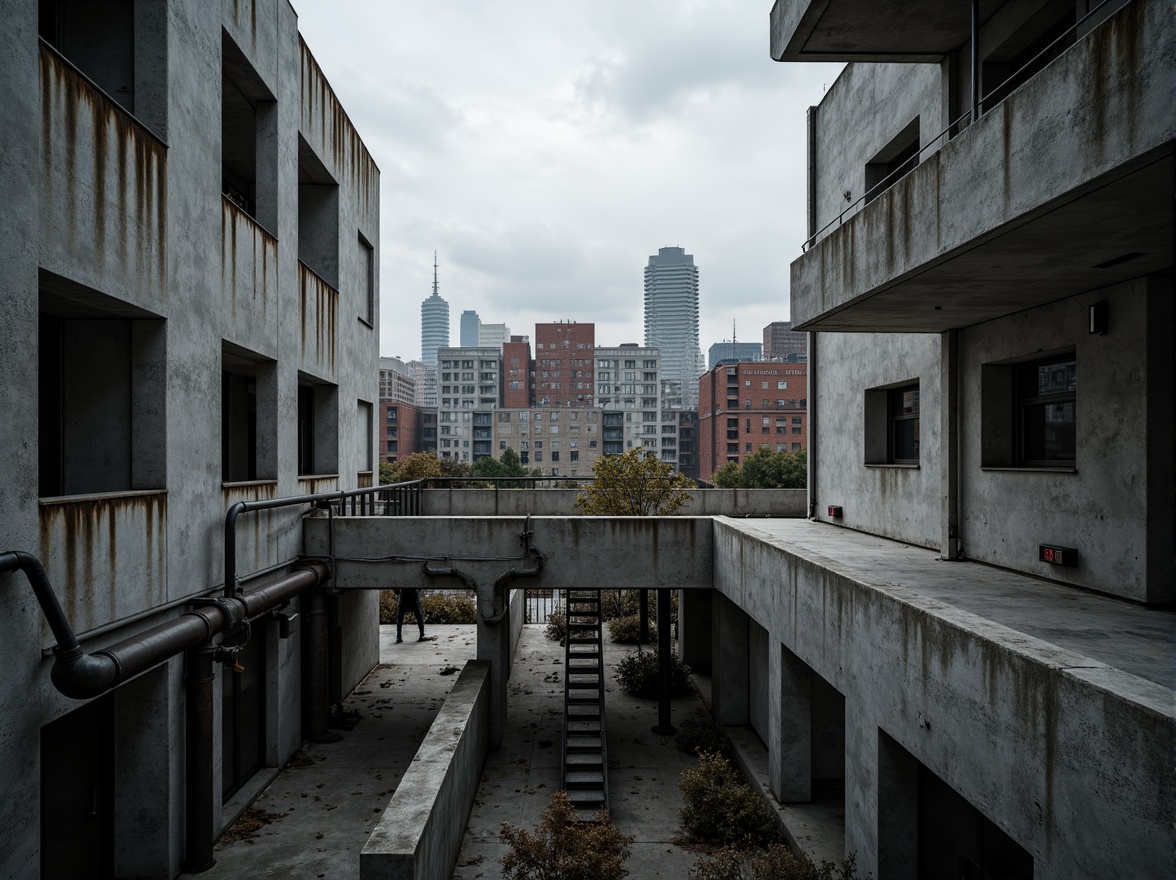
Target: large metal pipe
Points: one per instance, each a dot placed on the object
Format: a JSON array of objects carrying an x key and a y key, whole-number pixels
[
  {"x": 83, "y": 676},
  {"x": 318, "y": 693},
  {"x": 200, "y": 834}
]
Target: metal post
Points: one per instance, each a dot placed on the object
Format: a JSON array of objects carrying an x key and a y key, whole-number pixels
[
  {"x": 975, "y": 60},
  {"x": 643, "y": 616},
  {"x": 664, "y": 658},
  {"x": 198, "y": 680}
]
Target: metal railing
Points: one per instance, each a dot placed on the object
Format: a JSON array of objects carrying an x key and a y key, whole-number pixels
[{"x": 972, "y": 114}]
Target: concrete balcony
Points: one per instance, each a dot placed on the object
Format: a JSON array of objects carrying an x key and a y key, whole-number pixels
[
  {"x": 249, "y": 276},
  {"x": 870, "y": 30},
  {"x": 1063, "y": 187},
  {"x": 109, "y": 554},
  {"x": 103, "y": 189},
  {"x": 319, "y": 304}
]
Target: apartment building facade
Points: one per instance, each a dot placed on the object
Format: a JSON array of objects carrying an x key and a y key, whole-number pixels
[
  {"x": 564, "y": 371},
  {"x": 469, "y": 391},
  {"x": 745, "y": 406},
  {"x": 191, "y": 247},
  {"x": 562, "y": 442},
  {"x": 628, "y": 385}
]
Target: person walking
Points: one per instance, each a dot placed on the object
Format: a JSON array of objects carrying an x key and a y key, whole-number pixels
[{"x": 408, "y": 601}]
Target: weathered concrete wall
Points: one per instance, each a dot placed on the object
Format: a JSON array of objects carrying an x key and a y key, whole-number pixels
[
  {"x": 1058, "y": 131},
  {"x": 112, "y": 210},
  {"x": 1102, "y": 506},
  {"x": 420, "y": 832},
  {"x": 863, "y": 111},
  {"x": 562, "y": 502},
  {"x": 579, "y": 552},
  {"x": 898, "y": 501},
  {"x": 1031, "y": 734}
]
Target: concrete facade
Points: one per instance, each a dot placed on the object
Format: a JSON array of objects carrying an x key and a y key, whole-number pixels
[
  {"x": 162, "y": 342},
  {"x": 965, "y": 265},
  {"x": 560, "y": 442}
]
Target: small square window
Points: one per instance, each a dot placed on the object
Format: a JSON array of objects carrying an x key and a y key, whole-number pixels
[
  {"x": 904, "y": 425},
  {"x": 1046, "y": 397}
]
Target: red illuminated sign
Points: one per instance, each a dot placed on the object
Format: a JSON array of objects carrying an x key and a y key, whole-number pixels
[{"x": 1057, "y": 555}]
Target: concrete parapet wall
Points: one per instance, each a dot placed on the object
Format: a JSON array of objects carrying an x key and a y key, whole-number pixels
[
  {"x": 420, "y": 832},
  {"x": 562, "y": 502},
  {"x": 1046, "y": 742}
]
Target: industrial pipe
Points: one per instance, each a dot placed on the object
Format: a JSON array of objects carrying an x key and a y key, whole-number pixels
[
  {"x": 83, "y": 676},
  {"x": 199, "y": 677}
]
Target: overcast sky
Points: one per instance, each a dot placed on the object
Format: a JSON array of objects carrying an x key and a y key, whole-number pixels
[{"x": 546, "y": 149}]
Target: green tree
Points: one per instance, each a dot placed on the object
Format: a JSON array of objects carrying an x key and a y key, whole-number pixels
[
  {"x": 764, "y": 469},
  {"x": 507, "y": 466},
  {"x": 633, "y": 484}
]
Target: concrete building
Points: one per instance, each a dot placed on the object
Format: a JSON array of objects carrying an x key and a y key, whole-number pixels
[
  {"x": 687, "y": 442},
  {"x": 397, "y": 381},
  {"x": 990, "y": 222},
  {"x": 782, "y": 343},
  {"x": 190, "y": 236},
  {"x": 470, "y": 324},
  {"x": 470, "y": 381},
  {"x": 732, "y": 352},
  {"x": 562, "y": 442},
  {"x": 564, "y": 374},
  {"x": 671, "y": 319},
  {"x": 628, "y": 379},
  {"x": 745, "y": 406}
]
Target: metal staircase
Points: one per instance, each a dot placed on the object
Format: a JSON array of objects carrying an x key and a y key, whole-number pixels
[{"x": 585, "y": 757}]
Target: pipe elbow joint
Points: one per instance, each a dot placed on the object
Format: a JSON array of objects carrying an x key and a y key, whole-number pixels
[{"x": 82, "y": 676}]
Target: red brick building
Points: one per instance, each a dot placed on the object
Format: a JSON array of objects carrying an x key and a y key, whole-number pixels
[
  {"x": 564, "y": 364},
  {"x": 516, "y": 373},
  {"x": 399, "y": 430},
  {"x": 742, "y": 407}
]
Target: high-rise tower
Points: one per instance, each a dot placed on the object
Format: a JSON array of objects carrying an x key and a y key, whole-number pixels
[
  {"x": 671, "y": 319},
  {"x": 434, "y": 323}
]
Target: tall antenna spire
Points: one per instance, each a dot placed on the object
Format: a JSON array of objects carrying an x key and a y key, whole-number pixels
[
  {"x": 732, "y": 329},
  {"x": 434, "y": 273}
]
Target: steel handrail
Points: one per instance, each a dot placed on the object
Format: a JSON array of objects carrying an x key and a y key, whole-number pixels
[{"x": 887, "y": 182}]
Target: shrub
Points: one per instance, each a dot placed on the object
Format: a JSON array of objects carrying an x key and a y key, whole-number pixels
[
  {"x": 695, "y": 735},
  {"x": 721, "y": 808},
  {"x": 564, "y": 848},
  {"x": 449, "y": 608},
  {"x": 627, "y": 630},
  {"x": 444, "y": 607},
  {"x": 637, "y": 674},
  {"x": 557, "y": 625}
]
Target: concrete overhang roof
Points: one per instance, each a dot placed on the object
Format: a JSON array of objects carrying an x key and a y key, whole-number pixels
[
  {"x": 871, "y": 30},
  {"x": 1111, "y": 229}
]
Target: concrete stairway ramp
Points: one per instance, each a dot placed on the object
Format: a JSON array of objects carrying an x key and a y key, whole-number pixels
[{"x": 585, "y": 761}]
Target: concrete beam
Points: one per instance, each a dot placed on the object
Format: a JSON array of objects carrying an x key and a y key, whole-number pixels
[{"x": 579, "y": 552}]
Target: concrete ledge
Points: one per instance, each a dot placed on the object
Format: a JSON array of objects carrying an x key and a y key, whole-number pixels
[
  {"x": 419, "y": 835},
  {"x": 562, "y": 502}
]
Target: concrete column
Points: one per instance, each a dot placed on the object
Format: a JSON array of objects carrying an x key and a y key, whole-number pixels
[
  {"x": 494, "y": 647},
  {"x": 949, "y": 433},
  {"x": 694, "y": 628},
  {"x": 728, "y": 661},
  {"x": 898, "y": 811},
  {"x": 790, "y": 775}
]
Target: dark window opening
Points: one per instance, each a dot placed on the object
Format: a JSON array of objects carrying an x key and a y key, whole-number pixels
[
  {"x": 367, "y": 255},
  {"x": 1046, "y": 404},
  {"x": 248, "y": 416},
  {"x": 318, "y": 216},
  {"x": 957, "y": 841},
  {"x": 249, "y": 143},
  {"x": 100, "y": 393},
  {"x": 893, "y": 161},
  {"x": 904, "y": 425},
  {"x": 1027, "y": 51},
  {"x": 318, "y": 429}
]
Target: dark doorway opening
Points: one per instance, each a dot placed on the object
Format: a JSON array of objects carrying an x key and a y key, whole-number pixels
[{"x": 243, "y": 716}]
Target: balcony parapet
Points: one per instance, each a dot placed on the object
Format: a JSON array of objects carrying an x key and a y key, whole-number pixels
[
  {"x": 108, "y": 552},
  {"x": 103, "y": 188},
  {"x": 319, "y": 303},
  {"x": 249, "y": 274},
  {"x": 1073, "y": 169}
]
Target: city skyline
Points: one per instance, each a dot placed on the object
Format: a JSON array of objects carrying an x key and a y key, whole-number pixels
[{"x": 546, "y": 153}]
